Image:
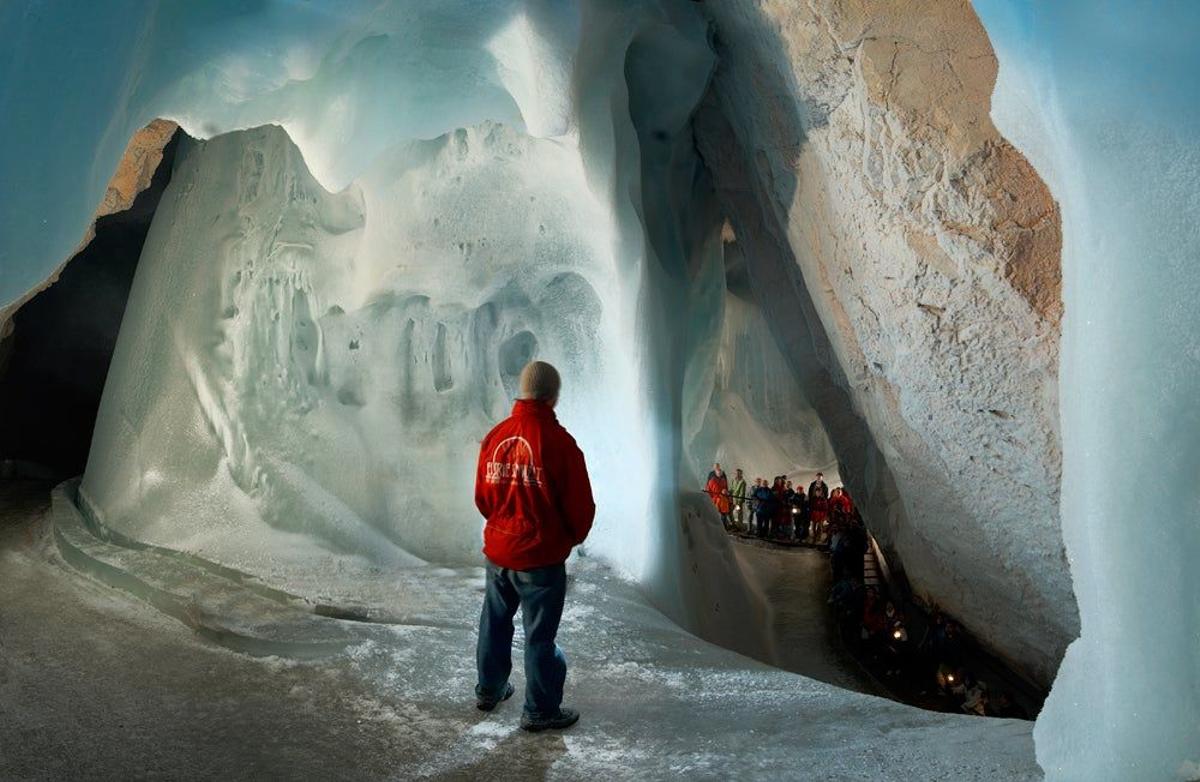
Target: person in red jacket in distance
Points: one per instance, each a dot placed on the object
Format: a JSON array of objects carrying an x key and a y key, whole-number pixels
[{"x": 532, "y": 487}]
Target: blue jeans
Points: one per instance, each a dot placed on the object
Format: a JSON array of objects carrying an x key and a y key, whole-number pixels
[{"x": 541, "y": 593}]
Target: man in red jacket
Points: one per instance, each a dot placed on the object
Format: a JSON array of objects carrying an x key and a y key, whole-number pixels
[{"x": 532, "y": 487}]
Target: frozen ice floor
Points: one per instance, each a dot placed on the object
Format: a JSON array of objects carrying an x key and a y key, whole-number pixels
[{"x": 95, "y": 684}]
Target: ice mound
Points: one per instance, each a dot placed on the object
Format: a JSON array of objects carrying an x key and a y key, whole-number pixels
[{"x": 332, "y": 360}]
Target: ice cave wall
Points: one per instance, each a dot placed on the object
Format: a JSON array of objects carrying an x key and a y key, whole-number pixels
[
  {"x": 301, "y": 371},
  {"x": 897, "y": 240},
  {"x": 1103, "y": 98}
]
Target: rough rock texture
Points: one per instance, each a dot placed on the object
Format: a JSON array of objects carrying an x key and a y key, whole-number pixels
[
  {"x": 137, "y": 167},
  {"x": 852, "y": 148},
  {"x": 132, "y": 176}
]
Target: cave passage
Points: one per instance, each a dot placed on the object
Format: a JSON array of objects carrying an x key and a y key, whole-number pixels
[
  {"x": 747, "y": 399},
  {"x": 947, "y": 250}
]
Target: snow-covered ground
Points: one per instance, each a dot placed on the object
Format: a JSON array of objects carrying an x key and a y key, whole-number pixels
[{"x": 96, "y": 684}]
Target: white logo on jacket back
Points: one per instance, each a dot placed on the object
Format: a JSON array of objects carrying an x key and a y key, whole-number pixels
[{"x": 512, "y": 462}]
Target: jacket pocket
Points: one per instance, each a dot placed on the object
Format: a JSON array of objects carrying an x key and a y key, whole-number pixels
[{"x": 513, "y": 534}]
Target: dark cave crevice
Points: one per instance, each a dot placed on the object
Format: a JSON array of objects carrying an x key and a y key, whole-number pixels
[{"x": 56, "y": 359}]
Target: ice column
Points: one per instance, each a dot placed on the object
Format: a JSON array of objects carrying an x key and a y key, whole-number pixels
[{"x": 1104, "y": 100}]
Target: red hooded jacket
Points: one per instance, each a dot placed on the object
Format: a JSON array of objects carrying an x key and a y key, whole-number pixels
[{"x": 532, "y": 487}]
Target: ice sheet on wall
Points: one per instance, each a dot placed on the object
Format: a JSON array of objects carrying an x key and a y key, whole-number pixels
[{"x": 1103, "y": 98}]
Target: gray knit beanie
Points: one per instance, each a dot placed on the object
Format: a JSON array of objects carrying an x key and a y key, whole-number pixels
[{"x": 540, "y": 381}]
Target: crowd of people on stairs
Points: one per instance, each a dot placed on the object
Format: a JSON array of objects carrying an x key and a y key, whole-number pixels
[{"x": 933, "y": 668}]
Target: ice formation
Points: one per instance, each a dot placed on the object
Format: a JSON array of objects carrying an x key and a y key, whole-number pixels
[
  {"x": 304, "y": 374},
  {"x": 1105, "y": 102},
  {"x": 743, "y": 404},
  {"x": 328, "y": 362}
]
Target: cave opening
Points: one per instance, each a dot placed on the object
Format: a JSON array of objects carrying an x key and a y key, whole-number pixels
[{"x": 56, "y": 354}]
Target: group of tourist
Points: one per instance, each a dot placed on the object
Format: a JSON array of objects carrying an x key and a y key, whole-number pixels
[
  {"x": 871, "y": 621},
  {"x": 777, "y": 509}
]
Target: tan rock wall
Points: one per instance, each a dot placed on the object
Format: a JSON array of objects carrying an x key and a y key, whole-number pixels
[{"x": 925, "y": 252}]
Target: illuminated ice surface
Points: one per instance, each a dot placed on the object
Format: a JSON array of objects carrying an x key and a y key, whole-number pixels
[
  {"x": 304, "y": 375},
  {"x": 1104, "y": 100},
  {"x": 324, "y": 365}
]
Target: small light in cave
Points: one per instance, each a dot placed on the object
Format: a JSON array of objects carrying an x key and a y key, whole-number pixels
[{"x": 728, "y": 236}]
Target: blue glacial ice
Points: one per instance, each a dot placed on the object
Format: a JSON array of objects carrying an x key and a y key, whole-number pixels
[{"x": 1103, "y": 98}]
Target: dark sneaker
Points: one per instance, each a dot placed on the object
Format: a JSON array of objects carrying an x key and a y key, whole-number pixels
[
  {"x": 487, "y": 704},
  {"x": 564, "y": 719}
]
